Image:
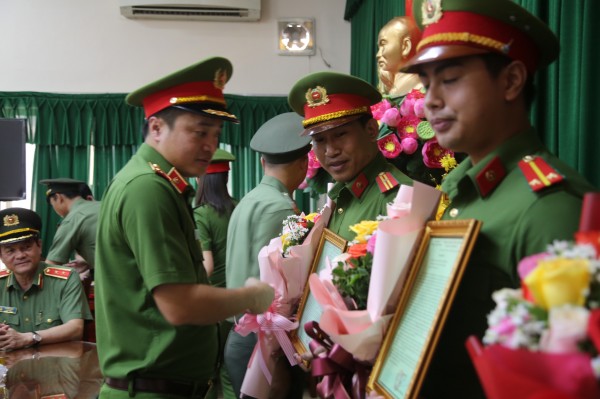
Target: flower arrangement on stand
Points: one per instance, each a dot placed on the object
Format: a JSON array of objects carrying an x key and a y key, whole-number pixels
[{"x": 545, "y": 336}]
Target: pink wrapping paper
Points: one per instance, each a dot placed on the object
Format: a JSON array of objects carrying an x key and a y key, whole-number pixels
[
  {"x": 361, "y": 332},
  {"x": 288, "y": 277}
]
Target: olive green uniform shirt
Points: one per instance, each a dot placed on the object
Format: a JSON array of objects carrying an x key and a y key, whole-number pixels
[
  {"x": 49, "y": 302},
  {"x": 77, "y": 232},
  {"x": 256, "y": 220},
  {"x": 517, "y": 222},
  {"x": 146, "y": 238},
  {"x": 351, "y": 208},
  {"x": 212, "y": 229}
]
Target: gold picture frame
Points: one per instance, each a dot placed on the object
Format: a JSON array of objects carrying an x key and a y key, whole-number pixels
[
  {"x": 330, "y": 246},
  {"x": 412, "y": 336}
]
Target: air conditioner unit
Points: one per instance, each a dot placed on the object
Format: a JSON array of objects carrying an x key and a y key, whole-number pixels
[{"x": 200, "y": 10}]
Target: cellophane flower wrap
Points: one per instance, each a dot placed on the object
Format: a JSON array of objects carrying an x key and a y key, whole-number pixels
[
  {"x": 370, "y": 275},
  {"x": 285, "y": 264},
  {"x": 407, "y": 139},
  {"x": 544, "y": 337}
]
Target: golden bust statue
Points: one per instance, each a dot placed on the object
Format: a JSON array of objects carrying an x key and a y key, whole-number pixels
[{"x": 396, "y": 44}]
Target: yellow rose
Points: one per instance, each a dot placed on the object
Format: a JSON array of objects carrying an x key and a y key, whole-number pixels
[
  {"x": 364, "y": 229},
  {"x": 560, "y": 281},
  {"x": 284, "y": 239},
  {"x": 311, "y": 216}
]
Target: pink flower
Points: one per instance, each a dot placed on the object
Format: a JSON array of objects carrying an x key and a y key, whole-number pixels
[
  {"x": 371, "y": 242},
  {"x": 391, "y": 117},
  {"x": 528, "y": 263},
  {"x": 389, "y": 146},
  {"x": 408, "y": 107},
  {"x": 433, "y": 154},
  {"x": 379, "y": 109},
  {"x": 409, "y": 145},
  {"x": 420, "y": 108},
  {"x": 407, "y": 127},
  {"x": 567, "y": 327}
]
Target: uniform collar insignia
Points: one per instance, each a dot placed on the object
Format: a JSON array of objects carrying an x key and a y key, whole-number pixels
[{"x": 490, "y": 176}]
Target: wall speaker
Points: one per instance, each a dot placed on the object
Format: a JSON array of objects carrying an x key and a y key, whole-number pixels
[{"x": 12, "y": 159}]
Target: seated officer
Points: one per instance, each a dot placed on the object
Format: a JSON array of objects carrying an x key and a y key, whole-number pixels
[
  {"x": 477, "y": 60},
  {"x": 38, "y": 304},
  {"x": 77, "y": 230},
  {"x": 337, "y": 116}
]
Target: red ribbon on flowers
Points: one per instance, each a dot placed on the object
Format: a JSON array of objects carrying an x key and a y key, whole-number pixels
[
  {"x": 343, "y": 377},
  {"x": 266, "y": 325}
]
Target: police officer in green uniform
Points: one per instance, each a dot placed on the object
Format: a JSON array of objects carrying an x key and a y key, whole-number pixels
[
  {"x": 214, "y": 208},
  {"x": 259, "y": 216},
  {"x": 77, "y": 230},
  {"x": 477, "y": 60},
  {"x": 337, "y": 116},
  {"x": 156, "y": 312},
  {"x": 39, "y": 304}
]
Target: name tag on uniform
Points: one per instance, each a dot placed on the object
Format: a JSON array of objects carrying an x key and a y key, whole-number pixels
[{"x": 8, "y": 309}]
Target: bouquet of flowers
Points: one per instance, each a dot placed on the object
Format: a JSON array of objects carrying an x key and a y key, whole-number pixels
[
  {"x": 369, "y": 277},
  {"x": 545, "y": 336},
  {"x": 285, "y": 264},
  {"x": 408, "y": 140}
]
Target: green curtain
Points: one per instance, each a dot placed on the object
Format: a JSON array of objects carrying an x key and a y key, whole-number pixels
[
  {"x": 64, "y": 127},
  {"x": 565, "y": 112}
]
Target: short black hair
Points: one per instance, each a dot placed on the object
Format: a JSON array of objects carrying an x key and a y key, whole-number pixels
[
  {"x": 495, "y": 63},
  {"x": 169, "y": 115}
]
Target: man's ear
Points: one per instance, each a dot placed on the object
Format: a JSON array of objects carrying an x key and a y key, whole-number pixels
[
  {"x": 372, "y": 128},
  {"x": 514, "y": 79},
  {"x": 154, "y": 128}
]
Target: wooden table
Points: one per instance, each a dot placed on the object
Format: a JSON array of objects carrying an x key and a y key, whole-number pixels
[{"x": 69, "y": 369}]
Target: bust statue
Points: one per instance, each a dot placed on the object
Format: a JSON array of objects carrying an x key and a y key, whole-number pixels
[{"x": 397, "y": 44}]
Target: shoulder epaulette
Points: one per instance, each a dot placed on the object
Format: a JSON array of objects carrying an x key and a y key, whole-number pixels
[
  {"x": 5, "y": 273},
  {"x": 538, "y": 173},
  {"x": 386, "y": 181},
  {"x": 174, "y": 177},
  {"x": 58, "y": 272}
]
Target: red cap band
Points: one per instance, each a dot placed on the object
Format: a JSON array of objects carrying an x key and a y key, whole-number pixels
[
  {"x": 217, "y": 167},
  {"x": 193, "y": 92},
  {"x": 480, "y": 31}
]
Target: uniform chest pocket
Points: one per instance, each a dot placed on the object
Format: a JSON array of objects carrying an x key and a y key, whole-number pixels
[
  {"x": 44, "y": 320},
  {"x": 12, "y": 320}
]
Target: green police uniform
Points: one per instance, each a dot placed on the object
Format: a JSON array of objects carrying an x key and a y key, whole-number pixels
[
  {"x": 524, "y": 196},
  {"x": 77, "y": 232},
  {"x": 147, "y": 238},
  {"x": 256, "y": 220},
  {"x": 366, "y": 196},
  {"x": 55, "y": 297},
  {"x": 143, "y": 244}
]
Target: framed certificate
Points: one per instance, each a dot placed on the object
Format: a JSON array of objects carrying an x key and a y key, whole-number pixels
[
  {"x": 330, "y": 246},
  {"x": 433, "y": 279}
]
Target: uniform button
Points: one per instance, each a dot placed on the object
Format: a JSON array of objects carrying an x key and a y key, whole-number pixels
[
  {"x": 340, "y": 210},
  {"x": 27, "y": 319},
  {"x": 49, "y": 321},
  {"x": 25, "y": 298},
  {"x": 453, "y": 212}
]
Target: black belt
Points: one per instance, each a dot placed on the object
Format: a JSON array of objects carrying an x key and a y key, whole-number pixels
[{"x": 155, "y": 385}]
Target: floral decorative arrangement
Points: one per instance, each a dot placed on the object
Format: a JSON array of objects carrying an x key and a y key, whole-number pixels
[
  {"x": 295, "y": 230},
  {"x": 352, "y": 274},
  {"x": 547, "y": 333},
  {"x": 408, "y": 140}
]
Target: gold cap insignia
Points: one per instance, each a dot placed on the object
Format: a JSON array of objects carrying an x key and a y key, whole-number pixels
[
  {"x": 11, "y": 220},
  {"x": 220, "y": 78},
  {"x": 431, "y": 11},
  {"x": 317, "y": 96}
]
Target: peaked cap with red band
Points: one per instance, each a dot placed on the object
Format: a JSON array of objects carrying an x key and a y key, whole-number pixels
[
  {"x": 330, "y": 99},
  {"x": 220, "y": 162},
  {"x": 458, "y": 28},
  {"x": 197, "y": 88}
]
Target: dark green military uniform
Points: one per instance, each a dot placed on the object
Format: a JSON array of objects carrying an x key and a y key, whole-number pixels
[
  {"x": 256, "y": 220},
  {"x": 55, "y": 297},
  {"x": 144, "y": 244},
  {"x": 365, "y": 197},
  {"x": 77, "y": 232}
]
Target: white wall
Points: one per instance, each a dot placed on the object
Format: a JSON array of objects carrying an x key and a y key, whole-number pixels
[{"x": 86, "y": 46}]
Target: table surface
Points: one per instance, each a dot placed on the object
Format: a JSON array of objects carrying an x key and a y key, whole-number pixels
[{"x": 69, "y": 368}]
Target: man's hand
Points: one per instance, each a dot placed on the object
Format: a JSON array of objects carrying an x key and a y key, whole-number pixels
[
  {"x": 11, "y": 339},
  {"x": 263, "y": 295}
]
